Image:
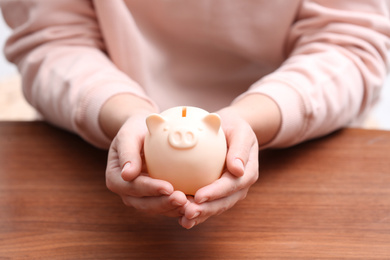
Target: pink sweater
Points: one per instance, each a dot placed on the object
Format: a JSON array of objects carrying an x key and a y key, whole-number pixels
[{"x": 323, "y": 62}]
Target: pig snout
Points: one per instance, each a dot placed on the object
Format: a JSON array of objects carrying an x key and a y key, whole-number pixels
[{"x": 182, "y": 138}]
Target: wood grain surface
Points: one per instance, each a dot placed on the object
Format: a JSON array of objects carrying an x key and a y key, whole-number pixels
[{"x": 324, "y": 199}]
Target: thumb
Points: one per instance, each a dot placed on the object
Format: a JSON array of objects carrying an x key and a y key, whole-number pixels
[
  {"x": 129, "y": 144},
  {"x": 238, "y": 154},
  {"x": 236, "y": 167},
  {"x": 240, "y": 143},
  {"x": 240, "y": 139},
  {"x": 129, "y": 172}
]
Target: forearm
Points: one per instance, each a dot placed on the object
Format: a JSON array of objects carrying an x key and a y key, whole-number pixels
[
  {"x": 118, "y": 109},
  {"x": 262, "y": 114}
]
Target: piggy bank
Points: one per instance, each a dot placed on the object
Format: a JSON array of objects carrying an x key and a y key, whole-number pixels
[{"x": 186, "y": 147}]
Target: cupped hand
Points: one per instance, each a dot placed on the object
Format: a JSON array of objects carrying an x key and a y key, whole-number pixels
[
  {"x": 240, "y": 173},
  {"x": 126, "y": 175}
]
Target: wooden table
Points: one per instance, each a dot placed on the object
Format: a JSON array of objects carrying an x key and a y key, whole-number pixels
[{"x": 328, "y": 198}]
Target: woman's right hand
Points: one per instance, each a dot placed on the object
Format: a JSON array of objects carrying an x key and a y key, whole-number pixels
[
  {"x": 126, "y": 174},
  {"x": 122, "y": 118}
]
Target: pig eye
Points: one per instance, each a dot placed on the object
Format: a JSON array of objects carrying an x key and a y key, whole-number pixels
[{"x": 166, "y": 128}]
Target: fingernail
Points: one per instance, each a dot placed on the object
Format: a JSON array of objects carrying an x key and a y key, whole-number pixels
[
  {"x": 126, "y": 166},
  {"x": 203, "y": 200},
  {"x": 238, "y": 162},
  {"x": 191, "y": 226},
  {"x": 195, "y": 215},
  {"x": 176, "y": 203},
  {"x": 164, "y": 192}
]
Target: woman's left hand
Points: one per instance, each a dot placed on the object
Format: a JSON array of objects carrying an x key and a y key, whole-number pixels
[{"x": 242, "y": 169}]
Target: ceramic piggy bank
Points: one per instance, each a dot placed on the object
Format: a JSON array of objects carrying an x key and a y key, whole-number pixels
[{"x": 186, "y": 147}]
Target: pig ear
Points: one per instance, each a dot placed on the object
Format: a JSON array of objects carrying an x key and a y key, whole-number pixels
[
  {"x": 153, "y": 121},
  {"x": 213, "y": 121}
]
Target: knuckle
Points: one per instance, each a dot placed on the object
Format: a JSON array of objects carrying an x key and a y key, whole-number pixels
[
  {"x": 110, "y": 185},
  {"x": 222, "y": 209},
  {"x": 120, "y": 135},
  {"x": 243, "y": 195},
  {"x": 131, "y": 192},
  {"x": 124, "y": 156},
  {"x": 233, "y": 187},
  {"x": 254, "y": 178},
  {"x": 134, "y": 202},
  {"x": 127, "y": 201},
  {"x": 142, "y": 207},
  {"x": 142, "y": 182}
]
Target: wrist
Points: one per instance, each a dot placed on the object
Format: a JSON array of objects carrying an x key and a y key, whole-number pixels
[
  {"x": 262, "y": 114},
  {"x": 117, "y": 109}
]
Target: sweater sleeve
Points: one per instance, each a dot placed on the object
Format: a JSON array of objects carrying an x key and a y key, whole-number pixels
[
  {"x": 335, "y": 67},
  {"x": 60, "y": 53}
]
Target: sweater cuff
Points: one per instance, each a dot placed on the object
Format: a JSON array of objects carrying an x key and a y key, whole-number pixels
[{"x": 86, "y": 118}]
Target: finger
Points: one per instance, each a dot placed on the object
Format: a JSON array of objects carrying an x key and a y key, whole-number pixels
[
  {"x": 131, "y": 170},
  {"x": 198, "y": 213},
  {"x": 228, "y": 184},
  {"x": 166, "y": 205},
  {"x": 129, "y": 145},
  {"x": 224, "y": 186},
  {"x": 142, "y": 186},
  {"x": 238, "y": 154}
]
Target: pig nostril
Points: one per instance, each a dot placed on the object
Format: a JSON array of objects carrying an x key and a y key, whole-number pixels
[
  {"x": 177, "y": 137},
  {"x": 189, "y": 137}
]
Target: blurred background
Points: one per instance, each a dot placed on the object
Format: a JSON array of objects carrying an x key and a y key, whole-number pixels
[{"x": 14, "y": 107}]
